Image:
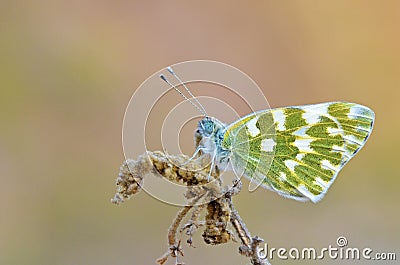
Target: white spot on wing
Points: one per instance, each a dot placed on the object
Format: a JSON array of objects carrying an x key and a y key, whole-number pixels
[
  {"x": 340, "y": 149},
  {"x": 336, "y": 148},
  {"x": 321, "y": 183},
  {"x": 301, "y": 131},
  {"x": 321, "y": 109},
  {"x": 300, "y": 156},
  {"x": 352, "y": 139},
  {"x": 311, "y": 117},
  {"x": 303, "y": 145},
  {"x": 325, "y": 164},
  {"x": 279, "y": 118},
  {"x": 268, "y": 145},
  {"x": 282, "y": 176},
  {"x": 290, "y": 164},
  {"x": 334, "y": 131},
  {"x": 251, "y": 126},
  {"x": 356, "y": 112},
  {"x": 303, "y": 190}
]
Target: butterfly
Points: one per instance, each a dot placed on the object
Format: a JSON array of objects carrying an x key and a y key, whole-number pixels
[{"x": 296, "y": 151}]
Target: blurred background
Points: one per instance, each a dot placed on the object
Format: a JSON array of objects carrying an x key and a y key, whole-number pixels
[{"x": 69, "y": 68}]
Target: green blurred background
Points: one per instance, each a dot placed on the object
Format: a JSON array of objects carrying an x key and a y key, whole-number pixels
[{"x": 69, "y": 68}]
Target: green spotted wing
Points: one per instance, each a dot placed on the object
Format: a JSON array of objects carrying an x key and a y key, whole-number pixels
[{"x": 298, "y": 151}]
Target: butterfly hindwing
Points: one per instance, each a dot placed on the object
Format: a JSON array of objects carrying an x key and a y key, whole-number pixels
[{"x": 298, "y": 151}]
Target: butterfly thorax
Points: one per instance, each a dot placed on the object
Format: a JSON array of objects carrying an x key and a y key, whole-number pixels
[{"x": 209, "y": 137}]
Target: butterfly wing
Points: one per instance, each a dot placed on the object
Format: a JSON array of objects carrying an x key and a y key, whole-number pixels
[
  {"x": 298, "y": 151},
  {"x": 252, "y": 141}
]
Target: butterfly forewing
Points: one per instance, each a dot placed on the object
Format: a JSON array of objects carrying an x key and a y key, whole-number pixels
[
  {"x": 298, "y": 151},
  {"x": 252, "y": 143}
]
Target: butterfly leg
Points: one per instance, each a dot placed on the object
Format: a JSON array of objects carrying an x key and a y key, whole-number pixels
[
  {"x": 198, "y": 149},
  {"x": 212, "y": 165}
]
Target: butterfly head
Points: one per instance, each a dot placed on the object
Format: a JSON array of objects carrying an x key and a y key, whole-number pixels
[
  {"x": 209, "y": 127},
  {"x": 209, "y": 134}
]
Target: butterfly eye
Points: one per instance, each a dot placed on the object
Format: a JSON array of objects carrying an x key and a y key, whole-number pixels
[{"x": 208, "y": 126}]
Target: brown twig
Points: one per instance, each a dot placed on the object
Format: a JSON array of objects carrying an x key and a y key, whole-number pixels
[{"x": 221, "y": 212}]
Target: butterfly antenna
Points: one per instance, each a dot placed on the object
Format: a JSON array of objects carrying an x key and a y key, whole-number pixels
[
  {"x": 185, "y": 97},
  {"x": 169, "y": 68}
]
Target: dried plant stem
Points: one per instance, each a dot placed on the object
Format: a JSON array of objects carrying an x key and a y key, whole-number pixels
[
  {"x": 172, "y": 231},
  {"x": 217, "y": 201},
  {"x": 240, "y": 227},
  {"x": 250, "y": 244}
]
